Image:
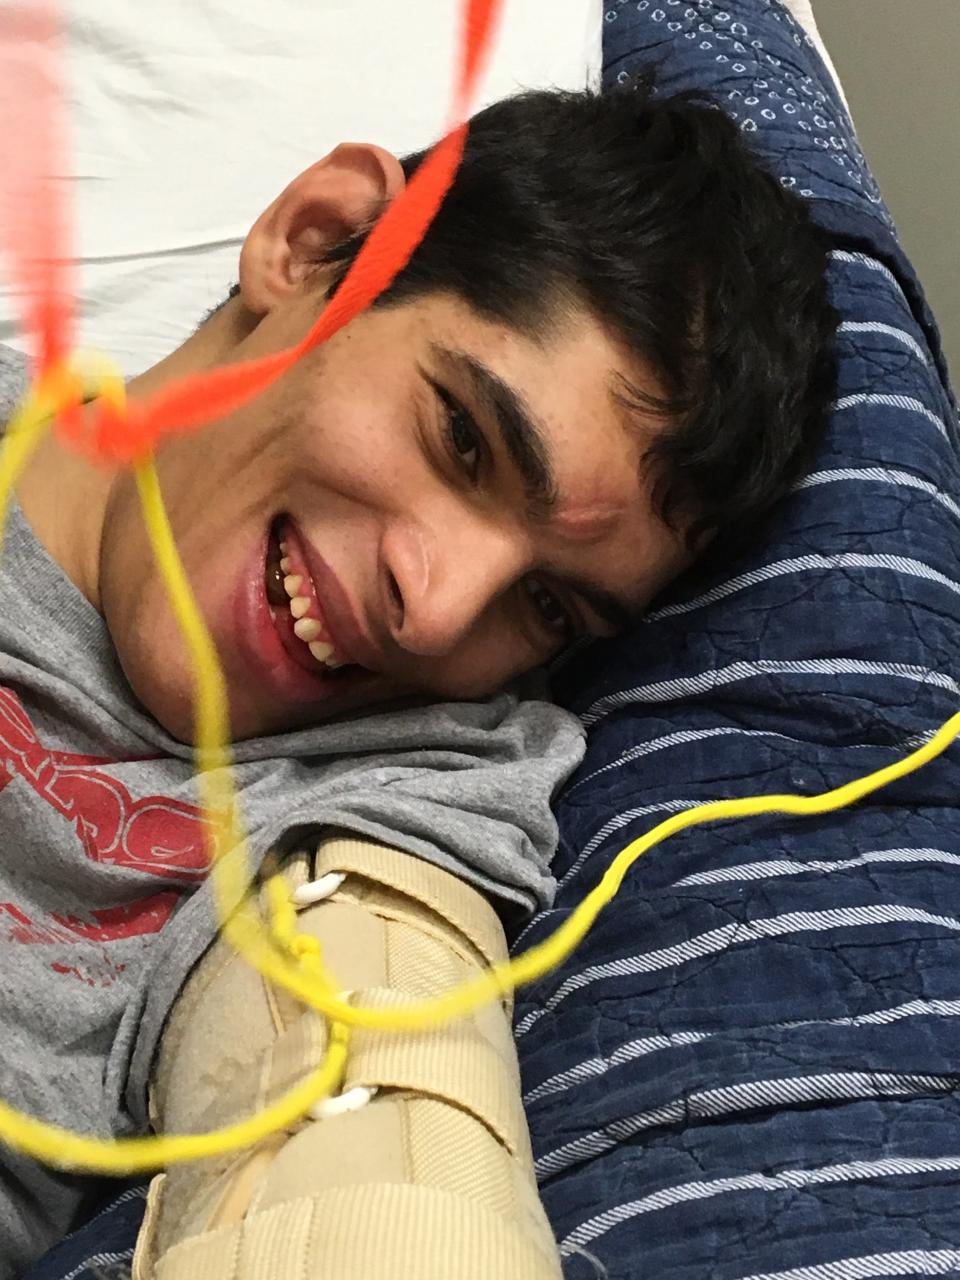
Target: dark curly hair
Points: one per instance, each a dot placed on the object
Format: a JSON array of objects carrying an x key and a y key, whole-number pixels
[{"x": 653, "y": 212}]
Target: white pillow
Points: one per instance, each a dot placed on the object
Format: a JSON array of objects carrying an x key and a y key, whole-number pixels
[{"x": 187, "y": 117}]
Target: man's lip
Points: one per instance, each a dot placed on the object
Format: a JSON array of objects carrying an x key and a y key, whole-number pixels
[{"x": 350, "y": 642}]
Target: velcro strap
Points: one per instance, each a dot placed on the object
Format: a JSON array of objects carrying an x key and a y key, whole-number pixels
[
  {"x": 385, "y": 1232},
  {"x": 455, "y": 1063},
  {"x": 455, "y": 901}
]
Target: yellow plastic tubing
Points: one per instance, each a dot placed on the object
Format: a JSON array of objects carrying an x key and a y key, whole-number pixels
[{"x": 273, "y": 946}]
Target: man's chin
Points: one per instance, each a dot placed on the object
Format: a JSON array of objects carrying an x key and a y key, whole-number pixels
[
  {"x": 175, "y": 710},
  {"x": 177, "y": 719},
  {"x": 255, "y": 717},
  {"x": 247, "y": 723}
]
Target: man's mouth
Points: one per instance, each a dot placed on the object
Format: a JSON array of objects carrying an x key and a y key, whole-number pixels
[{"x": 295, "y": 606}]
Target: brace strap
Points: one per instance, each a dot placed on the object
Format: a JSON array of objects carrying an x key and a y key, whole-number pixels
[{"x": 420, "y": 1232}]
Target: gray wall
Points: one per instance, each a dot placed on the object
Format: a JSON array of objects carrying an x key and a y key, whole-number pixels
[{"x": 898, "y": 63}]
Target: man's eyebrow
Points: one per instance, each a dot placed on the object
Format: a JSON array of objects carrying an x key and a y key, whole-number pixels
[{"x": 522, "y": 436}]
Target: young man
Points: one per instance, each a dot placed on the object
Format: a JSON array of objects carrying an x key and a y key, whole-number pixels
[{"x": 611, "y": 349}]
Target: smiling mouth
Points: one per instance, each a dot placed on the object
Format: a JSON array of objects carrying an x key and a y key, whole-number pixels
[{"x": 295, "y": 608}]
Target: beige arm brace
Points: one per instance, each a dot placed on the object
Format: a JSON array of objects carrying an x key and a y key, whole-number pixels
[{"x": 430, "y": 1179}]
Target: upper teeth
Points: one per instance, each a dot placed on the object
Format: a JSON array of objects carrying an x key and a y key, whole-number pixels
[{"x": 307, "y": 629}]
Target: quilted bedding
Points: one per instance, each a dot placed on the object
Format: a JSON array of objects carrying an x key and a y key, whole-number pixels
[{"x": 750, "y": 1067}]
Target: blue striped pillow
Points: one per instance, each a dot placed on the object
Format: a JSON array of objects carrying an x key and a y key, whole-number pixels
[{"x": 750, "y": 1066}]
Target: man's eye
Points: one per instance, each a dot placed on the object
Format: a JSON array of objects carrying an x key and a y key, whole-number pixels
[
  {"x": 463, "y": 437},
  {"x": 551, "y": 611}
]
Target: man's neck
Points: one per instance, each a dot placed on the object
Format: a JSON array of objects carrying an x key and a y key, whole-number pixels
[{"x": 65, "y": 498}]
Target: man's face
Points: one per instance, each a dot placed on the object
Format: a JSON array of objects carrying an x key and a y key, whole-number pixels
[{"x": 430, "y": 500}]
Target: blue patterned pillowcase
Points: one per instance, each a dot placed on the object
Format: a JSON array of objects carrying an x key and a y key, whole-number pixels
[{"x": 764, "y": 994}]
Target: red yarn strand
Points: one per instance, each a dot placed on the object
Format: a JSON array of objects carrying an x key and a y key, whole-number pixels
[{"x": 33, "y": 187}]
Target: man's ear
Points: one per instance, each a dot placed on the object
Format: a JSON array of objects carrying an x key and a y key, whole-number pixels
[{"x": 327, "y": 203}]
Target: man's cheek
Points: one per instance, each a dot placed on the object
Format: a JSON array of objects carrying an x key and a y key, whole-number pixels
[{"x": 480, "y": 668}]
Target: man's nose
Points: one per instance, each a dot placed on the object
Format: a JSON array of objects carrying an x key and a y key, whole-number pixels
[{"x": 439, "y": 577}]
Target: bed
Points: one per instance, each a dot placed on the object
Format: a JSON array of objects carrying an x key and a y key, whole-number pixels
[{"x": 749, "y": 1069}]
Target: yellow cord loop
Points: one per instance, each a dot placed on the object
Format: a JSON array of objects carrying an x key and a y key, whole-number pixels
[{"x": 274, "y": 946}]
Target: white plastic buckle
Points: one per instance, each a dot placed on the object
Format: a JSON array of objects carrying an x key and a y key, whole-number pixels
[
  {"x": 342, "y": 1104},
  {"x": 318, "y": 890}
]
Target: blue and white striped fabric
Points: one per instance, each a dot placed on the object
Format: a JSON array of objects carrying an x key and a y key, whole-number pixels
[
  {"x": 103, "y": 1248},
  {"x": 750, "y": 1068}
]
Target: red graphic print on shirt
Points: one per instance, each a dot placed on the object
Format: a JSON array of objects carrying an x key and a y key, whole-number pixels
[{"x": 155, "y": 834}]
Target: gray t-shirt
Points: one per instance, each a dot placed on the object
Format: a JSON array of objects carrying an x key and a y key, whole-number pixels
[{"x": 103, "y": 905}]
